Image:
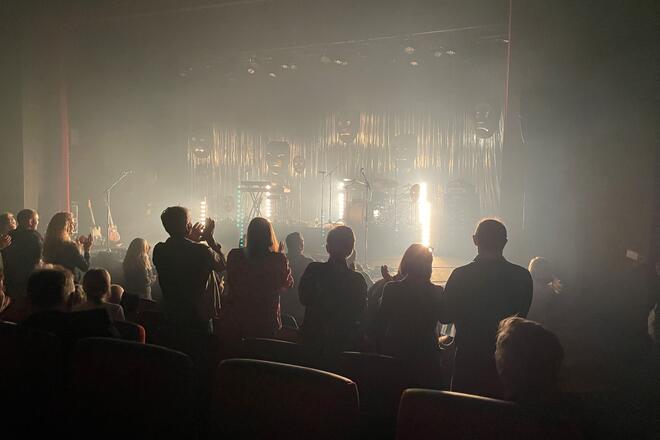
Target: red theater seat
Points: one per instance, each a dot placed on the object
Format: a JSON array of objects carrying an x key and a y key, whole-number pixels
[
  {"x": 130, "y": 331},
  {"x": 426, "y": 414},
  {"x": 258, "y": 399},
  {"x": 275, "y": 350},
  {"x": 380, "y": 381},
  {"x": 127, "y": 388}
]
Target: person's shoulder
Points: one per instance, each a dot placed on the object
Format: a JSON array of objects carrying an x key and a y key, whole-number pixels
[
  {"x": 518, "y": 270},
  {"x": 235, "y": 253},
  {"x": 308, "y": 260},
  {"x": 315, "y": 266}
]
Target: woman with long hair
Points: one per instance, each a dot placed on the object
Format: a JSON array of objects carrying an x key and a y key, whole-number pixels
[
  {"x": 138, "y": 270},
  {"x": 407, "y": 320},
  {"x": 7, "y": 224},
  {"x": 256, "y": 275},
  {"x": 59, "y": 247}
]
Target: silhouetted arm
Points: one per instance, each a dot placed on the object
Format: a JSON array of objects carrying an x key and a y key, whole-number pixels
[
  {"x": 451, "y": 299},
  {"x": 383, "y": 316},
  {"x": 528, "y": 292},
  {"x": 308, "y": 288}
]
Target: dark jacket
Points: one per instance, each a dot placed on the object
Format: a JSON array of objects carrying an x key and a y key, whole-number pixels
[
  {"x": 335, "y": 298},
  {"x": 184, "y": 268},
  {"x": 20, "y": 259}
]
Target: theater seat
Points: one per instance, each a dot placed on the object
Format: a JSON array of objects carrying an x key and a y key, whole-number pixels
[
  {"x": 426, "y": 414},
  {"x": 127, "y": 388},
  {"x": 380, "y": 380},
  {"x": 130, "y": 331},
  {"x": 275, "y": 350},
  {"x": 31, "y": 380},
  {"x": 154, "y": 323},
  {"x": 259, "y": 399}
]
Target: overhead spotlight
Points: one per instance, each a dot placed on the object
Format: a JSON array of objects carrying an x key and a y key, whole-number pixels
[
  {"x": 272, "y": 74},
  {"x": 414, "y": 63},
  {"x": 409, "y": 50},
  {"x": 450, "y": 52},
  {"x": 183, "y": 74},
  {"x": 339, "y": 62},
  {"x": 284, "y": 66},
  {"x": 344, "y": 63},
  {"x": 326, "y": 59},
  {"x": 251, "y": 71},
  {"x": 438, "y": 53},
  {"x": 294, "y": 67}
]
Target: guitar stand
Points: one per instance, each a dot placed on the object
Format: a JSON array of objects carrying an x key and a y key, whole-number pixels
[{"x": 107, "y": 204}]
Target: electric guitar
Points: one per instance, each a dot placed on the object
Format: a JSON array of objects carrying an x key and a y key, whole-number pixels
[
  {"x": 95, "y": 230},
  {"x": 113, "y": 233}
]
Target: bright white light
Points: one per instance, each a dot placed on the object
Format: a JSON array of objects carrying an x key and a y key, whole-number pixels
[
  {"x": 341, "y": 201},
  {"x": 268, "y": 206},
  {"x": 414, "y": 63},
  {"x": 376, "y": 213},
  {"x": 202, "y": 211},
  {"x": 424, "y": 214}
]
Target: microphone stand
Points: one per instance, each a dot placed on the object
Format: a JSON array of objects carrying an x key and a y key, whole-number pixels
[
  {"x": 366, "y": 217},
  {"x": 107, "y": 204},
  {"x": 323, "y": 173}
]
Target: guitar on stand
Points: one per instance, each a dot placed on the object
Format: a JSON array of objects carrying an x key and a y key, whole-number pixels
[
  {"x": 113, "y": 233},
  {"x": 95, "y": 230}
]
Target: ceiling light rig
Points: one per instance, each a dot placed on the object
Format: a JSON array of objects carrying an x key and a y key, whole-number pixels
[{"x": 409, "y": 50}]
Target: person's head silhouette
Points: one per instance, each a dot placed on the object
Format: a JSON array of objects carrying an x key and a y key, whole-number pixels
[
  {"x": 261, "y": 238},
  {"x": 27, "y": 219},
  {"x": 490, "y": 237},
  {"x": 176, "y": 221},
  {"x": 340, "y": 242},
  {"x": 417, "y": 263},
  {"x": 295, "y": 245}
]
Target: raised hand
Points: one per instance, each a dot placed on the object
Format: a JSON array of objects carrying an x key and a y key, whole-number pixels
[
  {"x": 5, "y": 241},
  {"x": 87, "y": 244},
  {"x": 196, "y": 232},
  {"x": 385, "y": 272},
  {"x": 209, "y": 228}
]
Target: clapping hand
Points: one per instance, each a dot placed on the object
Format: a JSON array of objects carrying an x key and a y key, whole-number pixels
[
  {"x": 209, "y": 228},
  {"x": 5, "y": 241},
  {"x": 196, "y": 232},
  {"x": 86, "y": 242}
]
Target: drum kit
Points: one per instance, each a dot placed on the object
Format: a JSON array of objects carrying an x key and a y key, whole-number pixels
[{"x": 386, "y": 202}]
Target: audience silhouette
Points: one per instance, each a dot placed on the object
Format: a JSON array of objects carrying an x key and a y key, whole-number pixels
[
  {"x": 256, "y": 275},
  {"x": 477, "y": 297},
  {"x": 186, "y": 269},
  {"x": 24, "y": 253},
  {"x": 298, "y": 261},
  {"x": 96, "y": 285},
  {"x": 334, "y": 296},
  {"x": 60, "y": 249},
  {"x": 406, "y": 326}
]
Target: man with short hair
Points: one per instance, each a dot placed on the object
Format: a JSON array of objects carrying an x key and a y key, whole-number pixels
[
  {"x": 185, "y": 266},
  {"x": 477, "y": 297},
  {"x": 298, "y": 262},
  {"x": 334, "y": 296},
  {"x": 24, "y": 253}
]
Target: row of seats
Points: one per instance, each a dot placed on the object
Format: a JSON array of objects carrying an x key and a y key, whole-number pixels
[{"x": 113, "y": 387}]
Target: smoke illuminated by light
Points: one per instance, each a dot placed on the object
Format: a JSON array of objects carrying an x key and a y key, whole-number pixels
[{"x": 424, "y": 214}]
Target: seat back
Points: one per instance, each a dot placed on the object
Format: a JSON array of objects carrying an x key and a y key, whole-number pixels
[
  {"x": 154, "y": 323},
  {"x": 124, "y": 387},
  {"x": 275, "y": 350},
  {"x": 130, "y": 331},
  {"x": 31, "y": 373},
  {"x": 380, "y": 380},
  {"x": 426, "y": 414},
  {"x": 259, "y": 399}
]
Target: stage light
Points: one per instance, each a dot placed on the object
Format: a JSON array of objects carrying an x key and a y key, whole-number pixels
[
  {"x": 414, "y": 63},
  {"x": 251, "y": 71},
  {"x": 326, "y": 59},
  {"x": 438, "y": 53},
  {"x": 339, "y": 61},
  {"x": 202, "y": 210},
  {"x": 376, "y": 213},
  {"x": 450, "y": 52},
  {"x": 341, "y": 202},
  {"x": 272, "y": 74},
  {"x": 409, "y": 50},
  {"x": 284, "y": 66},
  {"x": 268, "y": 206},
  {"x": 294, "y": 67},
  {"x": 424, "y": 214}
]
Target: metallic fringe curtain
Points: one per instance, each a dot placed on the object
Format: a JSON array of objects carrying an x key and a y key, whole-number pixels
[{"x": 447, "y": 149}]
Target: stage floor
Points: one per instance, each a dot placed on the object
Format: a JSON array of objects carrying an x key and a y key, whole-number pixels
[{"x": 442, "y": 267}]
